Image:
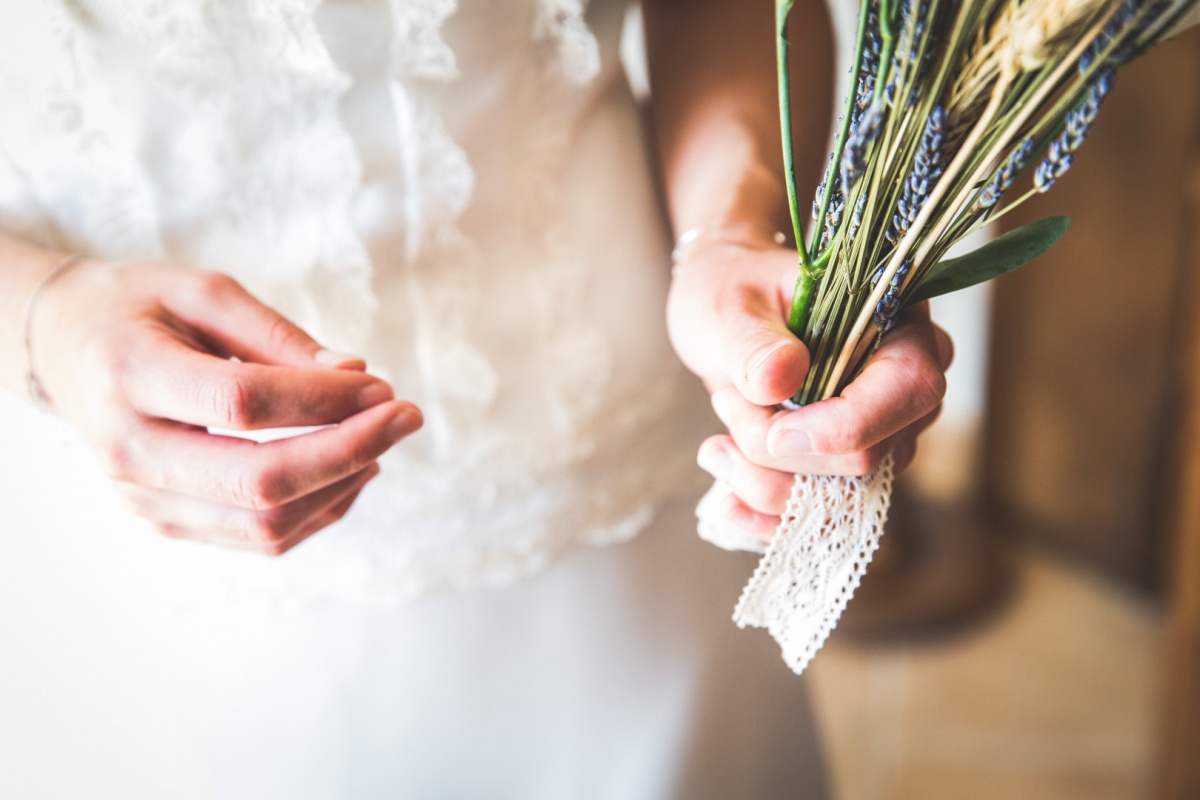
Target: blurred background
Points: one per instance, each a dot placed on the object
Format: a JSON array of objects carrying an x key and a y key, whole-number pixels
[{"x": 1030, "y": 627}]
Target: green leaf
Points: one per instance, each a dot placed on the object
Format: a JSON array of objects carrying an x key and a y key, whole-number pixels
[{"x": 1002, "y": 254}]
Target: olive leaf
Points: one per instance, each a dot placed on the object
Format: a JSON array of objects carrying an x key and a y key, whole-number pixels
[{"x": 1002, "y": 254}]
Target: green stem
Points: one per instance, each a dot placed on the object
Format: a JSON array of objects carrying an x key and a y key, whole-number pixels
[
  {"x": 810, "y": 272},
  {"x": 782, "y": 9},
  {"x": 887, "y": 38},
  {"x": 806, "y": 282}
]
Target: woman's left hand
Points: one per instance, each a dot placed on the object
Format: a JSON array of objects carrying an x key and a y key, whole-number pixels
[{"x": 726, "y": 314}]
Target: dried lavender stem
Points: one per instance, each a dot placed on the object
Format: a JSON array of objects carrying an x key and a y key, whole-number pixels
[
  {"x": 806, "y": 281},
  {"x": 910, "y": 238},
  {"x": 1003, "y": 141}
]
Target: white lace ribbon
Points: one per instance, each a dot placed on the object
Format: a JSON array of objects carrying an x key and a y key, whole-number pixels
[{"x": 825, "y": 541}]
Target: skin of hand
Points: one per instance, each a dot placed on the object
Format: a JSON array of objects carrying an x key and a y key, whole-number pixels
[
  {"x": 726, "y": 317},
  {"x": 716, "y": 118},
  {"x": 143, "y": 357}
]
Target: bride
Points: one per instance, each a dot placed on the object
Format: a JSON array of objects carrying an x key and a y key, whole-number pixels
[{"x": 379, "y": 287}]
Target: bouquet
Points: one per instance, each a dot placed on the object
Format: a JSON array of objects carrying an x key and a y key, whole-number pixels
[{"x": 951, "y": 103}]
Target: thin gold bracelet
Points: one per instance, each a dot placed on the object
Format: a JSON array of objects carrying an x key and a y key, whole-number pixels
[{"x": 37, "y": 392}]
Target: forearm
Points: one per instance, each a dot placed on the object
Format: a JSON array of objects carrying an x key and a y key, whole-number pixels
[
  {"x": 716, "y": 108},
  {"x": 23, "y": 266}
]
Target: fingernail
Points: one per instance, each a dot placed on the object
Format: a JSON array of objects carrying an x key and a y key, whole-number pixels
[
  {"x": 374, "y": 394},
  {"x": 404, "y": 423},
  {"x": 373, "y": 471},
  {"x": 715, "y": 461},
  {"x": 332, "y": 358},
  {"x": 722, "y": 405},
  {"x": 789, "y": 443}
]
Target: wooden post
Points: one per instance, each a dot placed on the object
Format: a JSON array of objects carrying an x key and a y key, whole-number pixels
[{"x": 1180, "y": 776}]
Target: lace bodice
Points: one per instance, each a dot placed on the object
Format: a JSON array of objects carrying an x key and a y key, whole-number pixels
[{"x": 457, "y": 191}]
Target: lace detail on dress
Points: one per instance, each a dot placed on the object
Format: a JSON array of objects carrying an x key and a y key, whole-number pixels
[
  {"x": 561, "y": 23},
  {"x": 206, "y": 133},
  {"x": 73, "y": 182},
  {"x": 453, "y": 188},
  {"x": 825, "y": 541},
  {"x": 418, "y": 50}
]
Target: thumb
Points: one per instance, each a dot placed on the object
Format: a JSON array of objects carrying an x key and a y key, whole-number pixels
[
  {"x": 241, "y": 326},
  {"x": 765, "y": 361}
]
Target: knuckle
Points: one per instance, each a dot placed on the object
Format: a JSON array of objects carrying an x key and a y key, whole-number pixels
[
  {"x": 778, "y": 494},
  {"x": 261, "y": 490},
  {"x": 265, "y": 528},
  {"x": 134, "y": 499},
  {"x": 863, "y": 462},
  {"x": 275, "y": 549},
  {"x": 231, "y": 402},
  {"x": 109, "y": 368},
  {"x": 169, "y": 531},
  {"x": 750, "y": 438},
  {"x": 929, "y": 386},
  {"x": 282, "y": 333},
  {"x": 111, "y": 356},
  {"x": 848, "y": 437},
  {"x": 116, "y": 459},
  {"x": 215, "y": 286},
  {"x": 337, "y": 514}
]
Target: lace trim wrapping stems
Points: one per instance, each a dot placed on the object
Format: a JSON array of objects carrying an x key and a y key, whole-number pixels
[{"x": 826, "y": 538}]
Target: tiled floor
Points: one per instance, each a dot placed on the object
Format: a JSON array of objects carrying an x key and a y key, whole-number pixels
[{"x": 1056, "y": 698}]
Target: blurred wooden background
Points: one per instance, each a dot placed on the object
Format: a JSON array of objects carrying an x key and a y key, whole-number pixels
[{"x": 1093, "y": 432}]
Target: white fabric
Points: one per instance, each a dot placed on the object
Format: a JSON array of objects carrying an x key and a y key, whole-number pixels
[
  {"x": 826, "y": 538},
  {"x": 458, "y": 192},
  {"x": 616, "y": 675},
  {"x": 412, "y": 181},
  {"x": 825, "y": 541}
]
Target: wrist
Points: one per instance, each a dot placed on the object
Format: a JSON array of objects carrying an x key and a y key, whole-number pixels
[
  {"x": 752, "y": 235},
  {"x": 39, "y": 310}
]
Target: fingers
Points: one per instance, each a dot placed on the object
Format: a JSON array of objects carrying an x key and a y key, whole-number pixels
[
  {"x": 902, "y": 383},
  {"x": 765, "y": 361},
  {"x": 271, "y": 531},
  {"x": 762, "y": 526},
  {"x": 167, "y": 378},
  {"x": 945, "y": 347},
  {"x": 228, "y": 471},
  {"x": 763, "y": 490},
  {"x": 727, "y": 318},
  {"x": 241, "y": 326},
  {"x": 751, "y": 426}
]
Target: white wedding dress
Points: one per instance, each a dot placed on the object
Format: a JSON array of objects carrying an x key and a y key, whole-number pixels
[{"x": 459, "y": 193}]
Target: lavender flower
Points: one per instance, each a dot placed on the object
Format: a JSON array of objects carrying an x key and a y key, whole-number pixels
[
  {"x": 889, "y": 305},
  {"x": 833, "y": 219},
  {"x": 1115, "y": 27},
  {"x": 907, "y": 53},
  {"x": 927, "y": 168},
  {"x": 856, "y": 219},
  {"x": 1060, "y": 154},
  {"x": 816, "y": 208},
  {"x": 861, "y": 135},
  {"x": 1111, "y": 29},
  {"x": 1004, "y": 178},
  {"x": 869, "y": 66}
]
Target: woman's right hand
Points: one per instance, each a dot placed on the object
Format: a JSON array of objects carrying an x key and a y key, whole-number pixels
[{"x": 139, "y": 357}]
